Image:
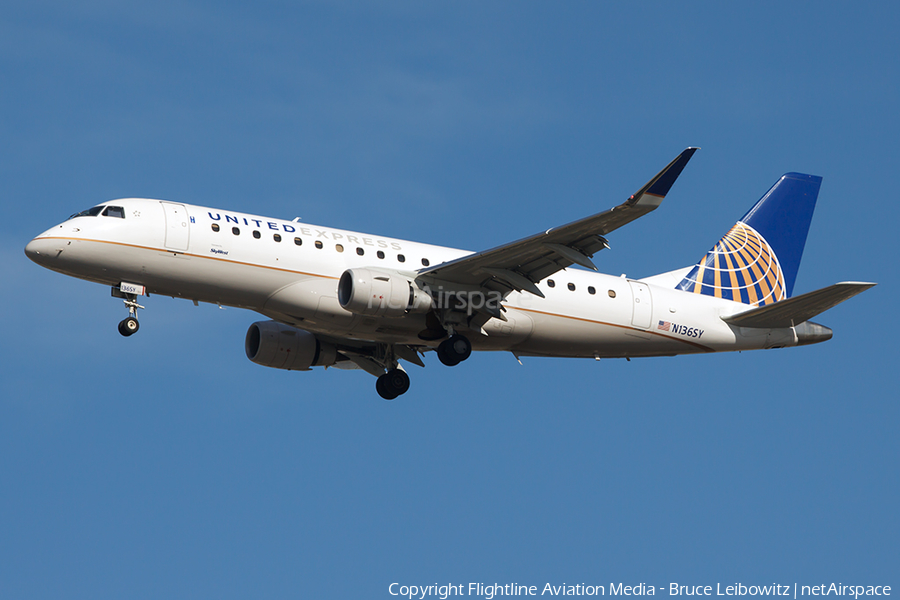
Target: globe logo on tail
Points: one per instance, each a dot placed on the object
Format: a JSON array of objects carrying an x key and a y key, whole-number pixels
[{"x": 741, "y": 267}]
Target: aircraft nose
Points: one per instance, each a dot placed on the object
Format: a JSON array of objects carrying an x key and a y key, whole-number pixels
[
  {"x": 31, "y": 250},
  {"x": 41, "y": 250}
]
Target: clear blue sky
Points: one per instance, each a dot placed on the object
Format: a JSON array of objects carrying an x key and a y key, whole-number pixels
[{"x": 169, "y": 466}]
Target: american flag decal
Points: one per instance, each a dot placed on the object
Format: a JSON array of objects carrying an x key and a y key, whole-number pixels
[{"x": 664, "y": 325}]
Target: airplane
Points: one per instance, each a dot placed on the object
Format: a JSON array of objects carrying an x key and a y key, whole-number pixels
[{"x": 337, "y": 298}]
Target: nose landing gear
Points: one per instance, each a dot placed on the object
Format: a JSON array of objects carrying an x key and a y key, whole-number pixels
[{"x": 128, "y": 326}]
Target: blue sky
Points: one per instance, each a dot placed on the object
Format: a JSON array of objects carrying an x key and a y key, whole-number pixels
[{"x": 168, "y": 465}]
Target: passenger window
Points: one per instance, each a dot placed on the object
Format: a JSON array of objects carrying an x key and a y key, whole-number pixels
[
  {"x": 339, "y": 247},
  {"x": 591, "y": 290},
  {"x": 235, "y": 231},
  {"x": 360, "y": 251},
  {"x": 298, "y": 241},
  {"x": 551, "y": 283},
  {"x": 425, "y": 262},
  {"x": 256, "y": 234},
  {"x": 215, "y": 227},
  {"x": 612, "y": 293},
  {"x": 114, "y": 211},
  {"x": 571, "y": 287},
  {"x": 401, "y": 258},
  {"x": 380, "y": 254},
  {"x": 277, "y": 237},
  {"x": 318, "y": 244}
]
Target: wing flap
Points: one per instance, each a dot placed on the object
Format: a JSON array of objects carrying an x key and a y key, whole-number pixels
[{"x": 796, "y": 310}]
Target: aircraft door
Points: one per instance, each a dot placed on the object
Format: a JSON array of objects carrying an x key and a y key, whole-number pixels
[
  {"x": 642, "y": 303},
  {"x": 177, "y": 228}
]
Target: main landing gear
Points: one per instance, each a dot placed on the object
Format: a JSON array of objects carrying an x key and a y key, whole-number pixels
[
  {"x": 392, "y": 384},
  {"x": 384, "y": 363},
  {"x": 395, "y": 382},
  {"x": 392, "y": 379},
  {"x": 454, "y": 350}
]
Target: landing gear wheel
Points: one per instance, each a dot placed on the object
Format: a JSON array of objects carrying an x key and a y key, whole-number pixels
[
  {"x": 454, "y": 350},
  {"x": 392, "y": 384},
  {"x": 129, "y": 326},
  {"x": 379, "y": 387},
  {"x": 444, "y": 357}
]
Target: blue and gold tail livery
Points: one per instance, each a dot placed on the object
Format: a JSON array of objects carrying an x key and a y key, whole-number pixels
[{"x": 757, "y": 261}]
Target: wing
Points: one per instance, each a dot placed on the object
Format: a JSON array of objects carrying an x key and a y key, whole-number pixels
[{"x": 520, "y": 265}]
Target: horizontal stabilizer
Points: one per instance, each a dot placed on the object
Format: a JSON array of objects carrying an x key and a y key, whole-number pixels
[{"x": 798, "y": 309}]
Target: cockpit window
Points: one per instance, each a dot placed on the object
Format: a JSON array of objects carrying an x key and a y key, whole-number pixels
[
  {"x": 91, "y": 212},
  {"x": 114, "y": 211}
]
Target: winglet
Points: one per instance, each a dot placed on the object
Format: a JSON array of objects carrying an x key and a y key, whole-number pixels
[{"x": 656, "y": 189}]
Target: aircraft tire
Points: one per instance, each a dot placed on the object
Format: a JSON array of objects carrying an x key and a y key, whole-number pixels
[
  {"x": 392, "y": 384},
  {"x": 454, "y": 350},
  {"x": 382, "y": 391},
  {"x": 397, "y": 380},
  {"x": 129, "y": 326},
  {"x": 444, "y": 356}
]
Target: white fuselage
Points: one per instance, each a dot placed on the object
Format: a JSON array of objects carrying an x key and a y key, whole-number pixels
[{"x": 289, "y": 271}]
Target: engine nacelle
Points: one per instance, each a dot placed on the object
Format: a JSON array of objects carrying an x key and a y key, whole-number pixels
[
  {"x": 271, "y": 344},
  {"x": 381, "y": 293}
]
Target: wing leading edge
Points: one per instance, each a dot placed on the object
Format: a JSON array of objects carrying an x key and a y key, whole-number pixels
[{"x": 521, "y": 264}]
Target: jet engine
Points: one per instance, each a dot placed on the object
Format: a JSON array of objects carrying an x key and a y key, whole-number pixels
[
  {"x": 381, "y": 293},
  {"x": 271, "y": 344}
]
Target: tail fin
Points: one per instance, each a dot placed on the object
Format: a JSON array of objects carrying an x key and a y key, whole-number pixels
[{"x": 757, "y": 261}]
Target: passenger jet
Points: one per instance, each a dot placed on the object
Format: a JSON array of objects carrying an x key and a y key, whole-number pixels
[{"x": 364, "y": 301}]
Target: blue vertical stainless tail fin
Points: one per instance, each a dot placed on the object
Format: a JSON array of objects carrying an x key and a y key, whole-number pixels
[{"x": 757, "y": 261}]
